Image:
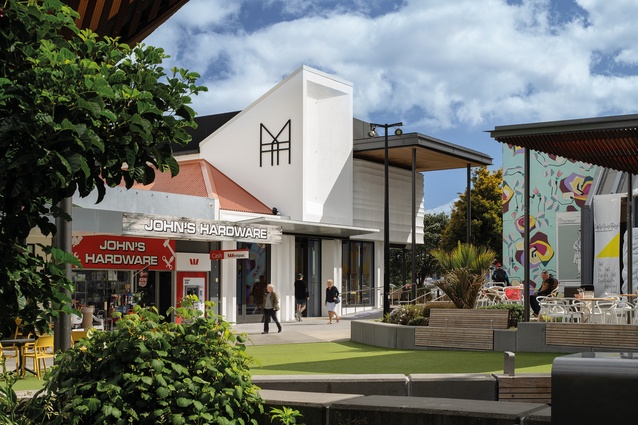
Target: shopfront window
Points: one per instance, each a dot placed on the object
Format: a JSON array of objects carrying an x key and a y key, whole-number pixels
[
  {"x": 104, "y": 289},
  {"x": 252, "y": 278},
  {"x": 357, "y": 278}
]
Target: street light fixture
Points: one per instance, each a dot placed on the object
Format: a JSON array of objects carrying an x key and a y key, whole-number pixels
[{"x": 386, "y": 214}]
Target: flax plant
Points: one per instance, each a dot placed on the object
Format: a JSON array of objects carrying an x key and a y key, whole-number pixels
[{"x": 465, "y": 269}]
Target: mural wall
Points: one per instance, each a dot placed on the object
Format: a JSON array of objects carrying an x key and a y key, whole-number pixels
[{"x": 557, "y": 185}]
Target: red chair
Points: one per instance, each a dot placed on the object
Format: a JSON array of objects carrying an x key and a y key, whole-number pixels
[{"x": 512, "y": 294}]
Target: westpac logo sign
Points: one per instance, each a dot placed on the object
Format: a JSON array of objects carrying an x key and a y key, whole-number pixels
[{"x": 194, "y": 262}]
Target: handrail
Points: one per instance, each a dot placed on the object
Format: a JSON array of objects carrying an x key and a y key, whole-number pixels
[{"x": 428, "y": 294}]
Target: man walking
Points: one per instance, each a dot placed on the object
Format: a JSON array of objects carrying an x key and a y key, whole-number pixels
[{"x": 301, "y": 296}]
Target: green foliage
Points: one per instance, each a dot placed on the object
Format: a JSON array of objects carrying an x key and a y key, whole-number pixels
[
  {"x": 426, "y": 265},
  {"x": 516, "y": 312},
  {"x": 436, "y": 304},
  {"x": 486, "y": 211},
  {"x": 433, "y": 226},
  {"x": 8, "y": 399},
  {"x": 465, "y": 269},
  {"x": 285, "y": 415},
  {"x": 149, "y": 371},
  {"x": 403, "y": 314},
  {"x": 73, "y": 109},
  {"x": 419, "y": 321}
]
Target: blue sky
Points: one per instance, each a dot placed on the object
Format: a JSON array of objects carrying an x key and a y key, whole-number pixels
[{"x": 449, "y": 69}]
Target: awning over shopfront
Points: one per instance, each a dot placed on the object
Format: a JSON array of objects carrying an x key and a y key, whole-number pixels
[
  {"x": 293, "y": 227},
  {"x": 611, "y": 142},
  {"x": 430, "y": 154},
  {"x": 131, "y": 20}
]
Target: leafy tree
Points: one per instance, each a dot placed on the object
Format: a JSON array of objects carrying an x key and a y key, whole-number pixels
[
  {"x": 433, "y": 226},
  {"x": 426, "y": 264},
  {"x": 465, "y": 269},
  {"x": 73, "y": 109},
  {"x": 486, "y": 210}
]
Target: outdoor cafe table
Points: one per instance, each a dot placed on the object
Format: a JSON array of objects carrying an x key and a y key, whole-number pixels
[
  {"x": 18, "y": 342},
  {"x": 591, "y": 301}
]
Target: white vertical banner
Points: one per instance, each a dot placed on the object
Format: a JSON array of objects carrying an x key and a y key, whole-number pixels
[
  {"x": 634, "y": 256},
  {"x": 607, "y": 243},
  {"x": 568, "y": 248}
]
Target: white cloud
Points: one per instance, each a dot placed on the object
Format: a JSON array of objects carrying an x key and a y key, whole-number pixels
[
  {"x": 446, "y": 208},
  {"x": 459, "y": 62},
  {"x": 438, "y": 66}
]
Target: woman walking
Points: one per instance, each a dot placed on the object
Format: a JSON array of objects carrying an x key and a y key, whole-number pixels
[
  {"x": 271, "y": 307},
  {"x": 332, "y": 298}
]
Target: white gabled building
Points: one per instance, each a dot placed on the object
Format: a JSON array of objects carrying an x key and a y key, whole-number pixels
[{"x": 297, "y": 163}]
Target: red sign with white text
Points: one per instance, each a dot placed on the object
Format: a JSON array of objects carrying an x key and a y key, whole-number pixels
[
  {"x": 119, "y": 252},
  {"x": 233, "y": 254}
]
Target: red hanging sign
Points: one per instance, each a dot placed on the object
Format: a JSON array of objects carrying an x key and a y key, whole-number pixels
[{"x": 124, "y": 253}]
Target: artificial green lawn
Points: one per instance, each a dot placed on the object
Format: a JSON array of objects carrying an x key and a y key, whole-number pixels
[
  {"x": 354, "y": 358},
  {"x": 351, "y": 357}
]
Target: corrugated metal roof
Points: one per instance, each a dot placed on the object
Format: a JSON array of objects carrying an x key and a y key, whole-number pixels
[
  {"x": 199, "y": 178},
  {"x": 610, "y": 142}
]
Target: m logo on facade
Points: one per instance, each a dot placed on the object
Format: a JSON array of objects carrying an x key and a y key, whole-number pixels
[{"x": 274, "y": 145}]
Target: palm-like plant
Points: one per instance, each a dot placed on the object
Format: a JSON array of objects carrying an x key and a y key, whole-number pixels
[{"x": 465, "y": 269}]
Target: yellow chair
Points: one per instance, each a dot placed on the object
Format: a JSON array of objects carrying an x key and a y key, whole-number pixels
[
  {"x": 18, "y": 331},
  {"x": 77, "y": 335},
  {"x": 10, "y": 353},
  {"x": 40, "y": 350}
]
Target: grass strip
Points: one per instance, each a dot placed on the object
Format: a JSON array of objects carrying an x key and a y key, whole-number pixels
[{"x": 355, "y": 358}]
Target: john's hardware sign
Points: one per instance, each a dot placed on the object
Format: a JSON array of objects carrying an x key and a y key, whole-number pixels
[
  {"x": 117, "y": 252},
  {"x": 197, "y": 229}
]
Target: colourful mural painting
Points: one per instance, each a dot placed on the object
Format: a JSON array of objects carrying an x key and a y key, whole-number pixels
[{"x": 557, "y": 185}]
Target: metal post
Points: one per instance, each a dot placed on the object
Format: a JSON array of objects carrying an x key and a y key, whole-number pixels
[
  {"x": 62, "y": 328},
  {"x": 526, "y": 239},
  {"x": 468, "y": 204},
  {"x": 414, "y": 225},
  {"x": 630, "y": 234},
  {"x": 386, "y": 221}
]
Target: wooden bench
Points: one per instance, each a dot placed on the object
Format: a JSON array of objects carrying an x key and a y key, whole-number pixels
[
  {"x": 592, "y": 335},
  {"x": 528, "y": 388},
  {"x": 461, "y": 328}
]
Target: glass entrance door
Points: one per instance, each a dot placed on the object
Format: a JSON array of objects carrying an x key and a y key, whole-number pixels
[
  {"x": 252, "y": 277},
  {"x": 308, "y": 262}
]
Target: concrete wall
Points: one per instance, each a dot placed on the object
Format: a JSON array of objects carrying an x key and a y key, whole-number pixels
[
  {"x": 528, "y": 337},
  {"x": 468, "y": 386},
  {"x": 321, "y": 409}
]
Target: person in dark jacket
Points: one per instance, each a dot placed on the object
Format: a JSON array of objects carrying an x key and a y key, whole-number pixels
[
  {"x": 500, "y": 277},
  {"x": 332, "y": 297},
  {"x": 550, "y": 283},
  {"x": 301, "y": 296}
]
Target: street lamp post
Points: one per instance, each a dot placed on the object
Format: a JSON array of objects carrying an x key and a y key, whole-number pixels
[{"x": 386, "y": 216}]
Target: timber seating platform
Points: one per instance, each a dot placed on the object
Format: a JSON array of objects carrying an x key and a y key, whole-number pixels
[
  {"x": 471, "y": 329},
  {"x": 528, "y": 388},
  {"x": 592, "y": 335}
]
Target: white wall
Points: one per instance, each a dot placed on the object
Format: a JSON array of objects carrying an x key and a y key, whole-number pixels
[
  {"x": 317, "y": 184},
  {"x": 327, "y": 169},
  {"x": 368, "y": 197}
]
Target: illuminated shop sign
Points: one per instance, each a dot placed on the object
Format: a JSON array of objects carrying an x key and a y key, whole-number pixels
[
  {"x": 198, "y": 229},
  {"x": 118, "y": 252}
]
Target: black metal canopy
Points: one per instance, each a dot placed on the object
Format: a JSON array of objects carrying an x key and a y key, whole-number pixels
[{"x": 611, "y": 142}]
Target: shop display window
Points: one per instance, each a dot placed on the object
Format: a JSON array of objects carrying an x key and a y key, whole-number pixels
[{"x": 107, "y": 290}]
